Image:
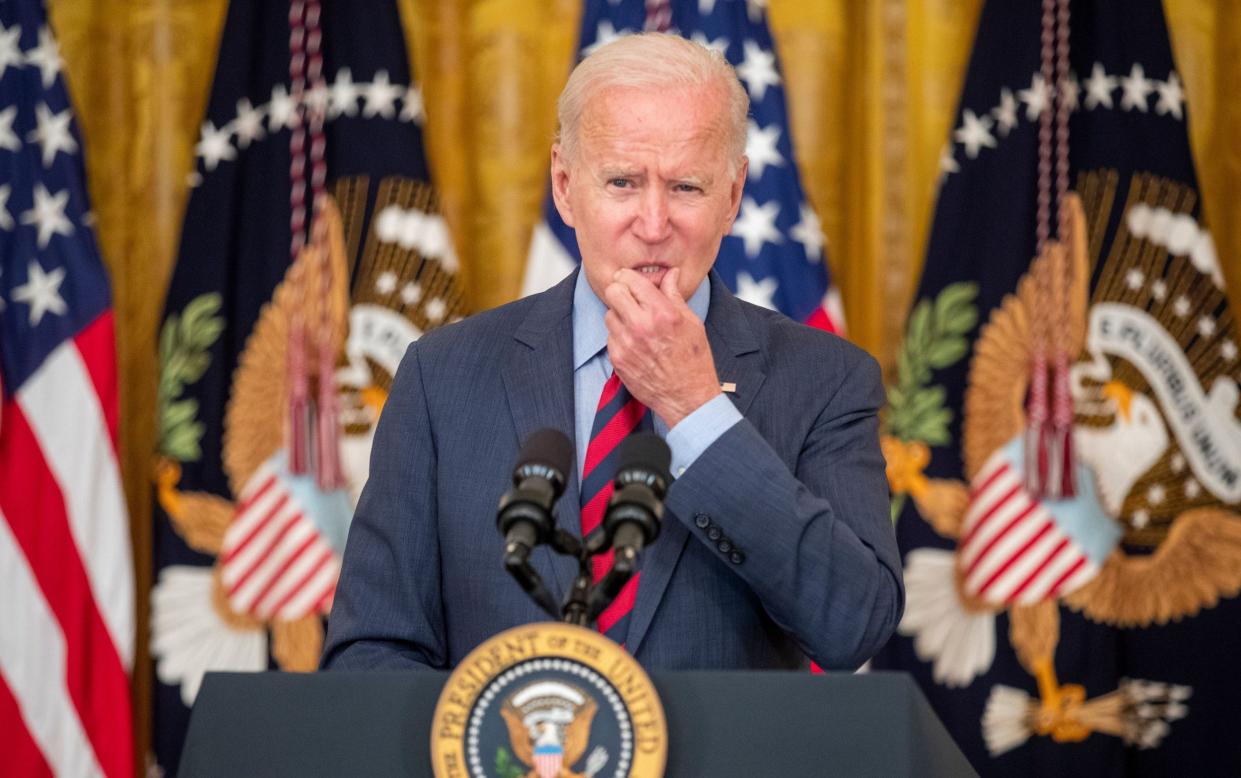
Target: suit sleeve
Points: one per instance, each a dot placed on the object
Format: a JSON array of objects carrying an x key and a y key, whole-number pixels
[
  {"x": 388, "y": 611},
  {"x": 816, "y": 545}
]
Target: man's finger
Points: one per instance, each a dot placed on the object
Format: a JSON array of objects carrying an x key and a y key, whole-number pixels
[
  {"x": 619, "y": 298},
  {"x": 641, "y": 287},
  {"x": 670, "y": 285}
]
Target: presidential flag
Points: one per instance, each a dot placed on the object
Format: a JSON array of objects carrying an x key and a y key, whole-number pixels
[
  {"x": 1062, "y": 434},
  {"x": 311, "y": 255},
  {"x": 66, "y": 572},
  {"x": 774, "y": 256}
]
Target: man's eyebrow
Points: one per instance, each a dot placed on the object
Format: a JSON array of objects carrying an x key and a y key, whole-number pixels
[{"x": 617, "y": 172}]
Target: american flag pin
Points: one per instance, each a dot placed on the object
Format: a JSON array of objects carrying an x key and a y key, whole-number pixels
[{"x": 728, "y": 386}]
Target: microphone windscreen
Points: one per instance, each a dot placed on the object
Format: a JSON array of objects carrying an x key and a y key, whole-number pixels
[
  {"x": 549, "y": 448},
  {"x": 645, "y": 450}
]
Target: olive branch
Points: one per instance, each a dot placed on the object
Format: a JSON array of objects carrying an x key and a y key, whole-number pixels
[{"x": 184, "y": 356}]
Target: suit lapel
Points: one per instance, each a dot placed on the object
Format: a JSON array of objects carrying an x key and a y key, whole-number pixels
[
  {"x": 538, "y": 379},
  {"x": 739, "y": 361}
]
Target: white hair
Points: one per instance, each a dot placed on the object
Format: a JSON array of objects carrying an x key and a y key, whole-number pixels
[{"x": 653, "y": 60}]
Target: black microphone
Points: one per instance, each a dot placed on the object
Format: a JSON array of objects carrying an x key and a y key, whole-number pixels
[
  {"x": 636, "y": 509},
  {"x": 634, "y": 513},
  {"x": 524, "y": 515}
]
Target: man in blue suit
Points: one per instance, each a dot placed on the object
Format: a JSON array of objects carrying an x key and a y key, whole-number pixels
[{"x": 776, "y": 543}]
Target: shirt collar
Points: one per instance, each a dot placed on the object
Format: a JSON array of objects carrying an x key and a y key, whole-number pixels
[{"x": 590, "y": 334}]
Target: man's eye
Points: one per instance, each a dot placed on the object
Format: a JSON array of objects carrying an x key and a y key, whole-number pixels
[
  {"x": 619, "y": 182},
  {"x": 688, "y": 188}
]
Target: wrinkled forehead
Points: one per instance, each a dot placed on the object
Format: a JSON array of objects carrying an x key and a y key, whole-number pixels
[{"x": 676, "y": 121}]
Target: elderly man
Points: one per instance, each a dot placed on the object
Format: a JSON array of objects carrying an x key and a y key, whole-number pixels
[{"x": 776, "y": 544}]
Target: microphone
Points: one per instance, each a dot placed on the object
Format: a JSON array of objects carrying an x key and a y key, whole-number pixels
[
  {"x": 634, "y": 514},
  {"x": 525, "y": 516},
  {"x": 636, "y": 509}
]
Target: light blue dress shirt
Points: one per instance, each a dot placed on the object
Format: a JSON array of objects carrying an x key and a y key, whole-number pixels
[{"x": 591, "y": 368}]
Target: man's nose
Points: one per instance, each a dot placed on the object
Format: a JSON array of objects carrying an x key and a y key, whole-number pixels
[{"x": 653, "y": 220}]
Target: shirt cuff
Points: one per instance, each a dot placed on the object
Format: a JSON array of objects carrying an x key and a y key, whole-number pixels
[{"x": 697, "y": 431}]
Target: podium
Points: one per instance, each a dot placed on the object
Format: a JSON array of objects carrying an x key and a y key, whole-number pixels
[{"x": 720, "y": 724}]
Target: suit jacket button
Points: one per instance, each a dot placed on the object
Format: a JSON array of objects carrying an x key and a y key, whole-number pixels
[
  {"x": 725, "y": 546},
  {"x": 702, "y": 520},
  {"x": 714, "y": 533},
  {"x": 737, "y": 557}
]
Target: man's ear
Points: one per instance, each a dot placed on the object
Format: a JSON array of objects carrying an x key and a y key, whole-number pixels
[
  {"x": 560, "y": 185},
  {"x": 737, "y": 187}
]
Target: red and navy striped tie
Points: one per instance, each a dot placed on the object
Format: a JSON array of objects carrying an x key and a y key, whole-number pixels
[{"x": 618, "y": 415}]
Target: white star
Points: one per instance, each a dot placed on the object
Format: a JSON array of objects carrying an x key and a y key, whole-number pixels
[
  {"x": 1206, "y": 325},
  {"x": 1177, "y": 462},
  {"x": 1155, "y": 494},
  {"x": 248, "y": 124},
  {"x": 1070, "y": 92},
  {"x": 1228, "y": 350},
  {"x": 1, "y": 297},
  {"x": 10, "y": 49},
  {"x": 386, "y": 283},
  {"x": 215, "y": 146},
  {"x": 1192, "y": 488},
  {"x": 411, "y": 111},
  {"x": 1137, "y": 87},
  {"x": 411, "y": 293},
  {"x": 283, "y": 111},
  {"x": 6, "y": 218},
  {"x": 757, "y": 225},
  {"x": 758, "y": 71},
  {"x": 1141, "y": 518},
  {"x": 974, "y": 133},
  {"x": 809, "y": 233},
  {"x": 1181, "y": 306},
  {"x": 719, "y": 44},
  {"x": 41, "y": 292},
  {"x": 1170, "y": 96},
  {"x": 343, "y": 95},
  {"x": 1134, "y": 279},
  {"x": 605, "y": 33},
  {"x": 52, "y": 133},
  {"x": 49, "y": 214},
  {"x": 756, "y": 292},
  {"x": 760, "y": 147},
  {"x": 1037, "y": 97},
  {"x": 1159, "y": 290},
  {"x": 46, "y": 56},
  {"x": 1006, "y": 112},
  {"x": 754, "y": 9},
  {"x": 948, "y": 160},
  {"x": 8, "y": 138},
  {"x": 380, "y": 96},
  {"x": 435, "y": 309},
  {"x": 706, "y": 7},
  {"x": 1099, "y": 88}
]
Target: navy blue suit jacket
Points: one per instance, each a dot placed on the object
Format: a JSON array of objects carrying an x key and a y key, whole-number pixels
[{"x": 776, "y": 542}]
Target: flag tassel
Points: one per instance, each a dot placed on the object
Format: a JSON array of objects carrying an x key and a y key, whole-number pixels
[
  {"x": 328, "y": 472},
  {"x": 298, "y": 438}
]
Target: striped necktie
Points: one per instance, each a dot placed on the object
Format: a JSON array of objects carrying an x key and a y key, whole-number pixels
[{"x": 618, "y": 415}]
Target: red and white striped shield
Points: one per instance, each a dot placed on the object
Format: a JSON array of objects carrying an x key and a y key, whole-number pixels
[{"x": 275, "y": 563}]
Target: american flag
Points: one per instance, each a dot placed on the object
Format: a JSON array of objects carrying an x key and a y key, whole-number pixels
[
  {"x": 774, "y": 256},
  {"x": 66, "y": 573}
]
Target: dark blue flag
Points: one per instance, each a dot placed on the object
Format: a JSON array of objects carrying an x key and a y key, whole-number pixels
[
  {"x": 312, "y": 254},
  {"x": 1062, "y": 435},
  {"x": 775, "y": 254}
]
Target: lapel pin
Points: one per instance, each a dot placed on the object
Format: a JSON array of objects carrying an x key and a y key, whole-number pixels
[{"x": 728, "y": 386}]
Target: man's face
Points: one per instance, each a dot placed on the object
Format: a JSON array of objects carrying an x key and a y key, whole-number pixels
[{"x": 649, "y": 188}]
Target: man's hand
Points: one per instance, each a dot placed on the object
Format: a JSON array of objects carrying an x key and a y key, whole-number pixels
[{"x": 658, "y": 346}]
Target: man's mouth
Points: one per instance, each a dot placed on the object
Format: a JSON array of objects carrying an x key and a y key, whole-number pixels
[{"x": 650, "y": 270}]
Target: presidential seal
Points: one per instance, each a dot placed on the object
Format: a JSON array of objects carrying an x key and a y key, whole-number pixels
[{"x": 549, "y": 700}]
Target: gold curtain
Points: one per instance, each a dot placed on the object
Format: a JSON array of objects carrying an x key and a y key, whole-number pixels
[{"x": 872, "y": 88}]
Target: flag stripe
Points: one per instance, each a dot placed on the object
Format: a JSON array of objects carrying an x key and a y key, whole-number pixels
[
  {"x": 1001, "y": 547},
  {"x": 1014, "y": 559},
  {"x": 258, "y": 577},
  {"x": 311, "y": 590},
  {"x": 1002, "y": 520},
  {"x": 20, "y": 751},
  {"x": 239, "y": 559},
  {"x": 60, "y": 405},
  {"x": 62, "y": 666},
  {"x": 1036, "y": 573},
  {"x": 249, "y": 526},
  {"x": 302, "y": 558},
  {"x": 97, "y": 345}
]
